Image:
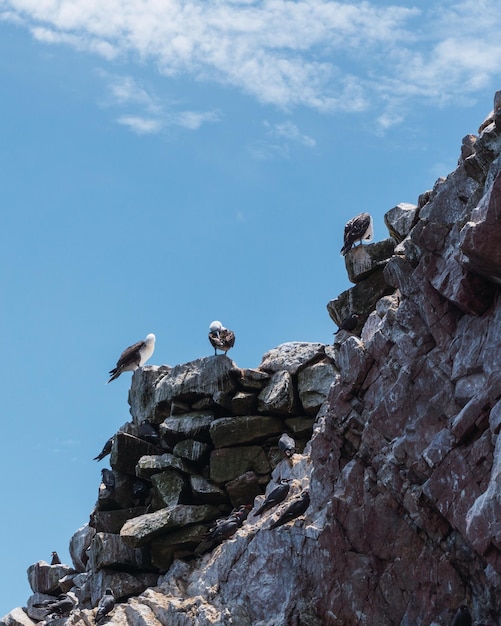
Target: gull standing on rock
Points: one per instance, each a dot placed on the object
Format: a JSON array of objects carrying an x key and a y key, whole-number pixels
[
  {"x": 357, "y": 229},
  {"x": 134, "y": 356},
  {"x": 221, "y": 338}
]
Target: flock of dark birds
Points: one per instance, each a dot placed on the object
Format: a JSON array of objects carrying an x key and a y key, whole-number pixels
[{"x": 358, "y": 229}]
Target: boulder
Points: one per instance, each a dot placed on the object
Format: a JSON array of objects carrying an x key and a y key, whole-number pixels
[
  {"x": 400, "y": 220},
  {"x": 362, "y": 261},
  {"x": 279, "y": 396},
  {"x": 233, "y": 431},
  {"x": 253, "y": 379},
  {"x": 187, "y": 426},
  {"x": 44, "y": 578},
  {"x": 204, "y": 492},
  {"x": 243, "y": 489},
  {"x": 111, "y": 551},
  {"x": 291, "y": 356},
  {"x": 192, "y": 451},
  {"x": 244, "y": 403},
  {"x": 79, "y": 543},
  {"x": 144, "y": 528},
  {"x": 228, "y": 463},
  {"x": 169, "y": 487},
  {"x": 127, "y": 450},
  {"x": 314, "y": 383},
  {"x": 147, "y": 466},
  {"x": 112, "y": 521},
  {"x": 17, "y": 617}
]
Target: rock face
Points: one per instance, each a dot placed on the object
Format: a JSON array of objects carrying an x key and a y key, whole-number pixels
[{"x": 396, "y": 429}]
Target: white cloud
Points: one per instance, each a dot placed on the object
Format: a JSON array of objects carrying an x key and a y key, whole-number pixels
[
  {"x": 323, "y": 54},
  {"x": 290, "y": 131},
  {"x": 141, "y": 125}
]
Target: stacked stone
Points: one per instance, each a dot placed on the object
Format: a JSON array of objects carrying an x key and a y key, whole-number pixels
[{"x": 202, "y": 441}]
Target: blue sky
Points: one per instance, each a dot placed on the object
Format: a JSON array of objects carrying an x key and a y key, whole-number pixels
[{"x": 164, "y": 164}]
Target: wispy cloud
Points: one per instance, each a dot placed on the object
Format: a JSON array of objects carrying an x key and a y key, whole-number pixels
[{"x": 322, "y": 54}]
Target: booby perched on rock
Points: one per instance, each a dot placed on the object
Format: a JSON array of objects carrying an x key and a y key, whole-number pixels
[
  {"x": 105, "y": 606},
  {"x": 295, "y": 509},
  {"x": 221, "y": 338},
  {"x": 275, "y": 497},
  {"x": 357, "y": 229},
  {"x": 134, "y": 356}
]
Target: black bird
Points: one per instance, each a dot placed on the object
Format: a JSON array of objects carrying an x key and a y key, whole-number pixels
[
  {"x": 221, "y": 338},
  {"x": 224, "y": 529},
  {"x": 105, "y": 606},
  {"x": 275, "y": 497},
  {"x": 295, "y": 509},
  {"x": 358, "y": 228},
  {"x": 106, "y": 449},
  {"x": 349, "y": 323},
  {"x": 287, "y": 445},
  {"x": 55, "y": 559},
  {"x": 62, "y": 606},
  {"x": 462, "y": 617},
  {"x": 108, "y": 478},
  {"x": 134, "y": 356},
  {"x": 147, "y": 432}
]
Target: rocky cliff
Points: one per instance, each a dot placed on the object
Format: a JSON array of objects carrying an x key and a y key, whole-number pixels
[{"x": 396, "y": 429}]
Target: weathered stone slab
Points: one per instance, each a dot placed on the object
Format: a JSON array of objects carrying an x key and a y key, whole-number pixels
[
  {"x": 190, "y": 426},
  {"x": 253, "y": 379},
  {"x": 300, "y": 426},
  {"x": 17, "y": 617},
  {"x": 204, "y": 492},
  {"x": 362, "y": 261},
  {"x": 228, "y": 463},
  {"x": 400, "y": 219},
  {"x": 147, "y": 466},
  {"x": 112, "y": 521},
  {"x": 244, "y": 403},
  {"x": 243, "y": 489},
  {"x": 127, "y": 450},
  {"x": 144, "y": 528},
  {"x": 79, "y": 543},
  {"x": 44, "y": 578},
  {"x": 124, "y": 585},
  {"x": 314, "y": 383},
  {"x": 192, "y": 451},
  {"x": 279, "y": 396},
  {"x": 291, "y": 356},
  {"x": 176, "y": 544},
  {"x": 232, "y": 431},
  {"x": 111, "y": 551},
  {"x": 169, "y": 487},
  {"x": 142, "y": 391},
  {"x": 196, "y": 379}
]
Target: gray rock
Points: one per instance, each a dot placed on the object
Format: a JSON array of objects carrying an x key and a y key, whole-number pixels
[
  {"x": 123, "y": 584},
  {"x": 142, "y": 392},
  {"x": 188, "y": 426},
  {"x": 127, "y": 450},
  {"x": 400, "y": 220},
  {"x": 112, "y": 521},
  {"x": 44, "y": 578},
  {"x": 17, "y": 617},
  {"x": 253, "y": 379},
  {"x": 233, "y": 431},
  {"x": 176, "y": 544},
  {"x": 191, "y": 450},
  {"x": 147, "y": 466},
  {"x": 111, "y": 551},
  {"x": 169, "y": 487},
  {"x": 243, "y": 489},
  {"x": 291, "y": 356},
  {"x": 204, "y": 492},
  {"x": 79, "y": 543},
  {"x": 314, "y": 383},
  {"x": 362, "y": 261},
  {"x": 244, "y": 403},
  {"x": 144, "y": 528},
  {"x": 228, "y": 463},
  {"x": 279, "y": 396}
]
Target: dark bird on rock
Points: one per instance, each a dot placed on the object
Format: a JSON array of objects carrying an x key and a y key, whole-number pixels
[
  {"x": 55, "y": 558},
  {"x": 224, "y": 529},
  {"x": 295, "y": 509},
  {"x": 147, "y": 432},
  {"x": 105, "y": 606},
  {"x": 275, "y": 497},
  {"x": 62, "y": 606},
  {"x": 221, "y": 338},
  {"x": 134, "y": 356},
  {"x": 108, "y": 478},
  {"x": 106, "y": 449},
  {"x": 349, "y": 323},
  {"x": 462, "y": 617},
  {"x": 287, "y": 445},
  {"x": 357, "y": 229}
]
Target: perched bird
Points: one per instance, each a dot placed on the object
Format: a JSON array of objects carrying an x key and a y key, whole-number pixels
[
  {"x": 62, "y": 606},
  {"x": 224, "y": 529},
  {"x": 462, "y": 617},
  {"x": 357, "y": 229},
  {"x": 108, "y": 478},
  {"x": 349, "y": 323},
  {"x": 275, "y": 497},
  {"x": 106, "y": 449},
  {"x": 147, "y": 432},
  {"x": 295, "y": 509},
  {"x": 134, "y": 356},
  {"x": 105, "y": 606},
  {"x": 287, "y": 445},
  {"x": 55, "y": 559},
  {"x": 221, "y": 338}
]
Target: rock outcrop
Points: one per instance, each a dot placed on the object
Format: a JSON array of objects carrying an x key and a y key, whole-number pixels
[{"x": 396, "y": 427}]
